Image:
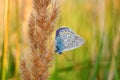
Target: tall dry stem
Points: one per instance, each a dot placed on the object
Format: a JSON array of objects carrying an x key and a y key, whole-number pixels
[
  {"x": 40, "y": 27},
  {"x": 5, "y": 49},
  {"x": 116, "y": 41}
]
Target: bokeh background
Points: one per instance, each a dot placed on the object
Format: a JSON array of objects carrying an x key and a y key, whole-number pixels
[{"x": 97, "y": 21}]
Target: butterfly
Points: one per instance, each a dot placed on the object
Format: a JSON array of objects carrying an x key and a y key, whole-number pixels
[{"x": 66, "y": 39}]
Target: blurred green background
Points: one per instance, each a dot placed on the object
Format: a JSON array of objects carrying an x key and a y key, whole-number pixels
[{"x": 97, "y": 21}]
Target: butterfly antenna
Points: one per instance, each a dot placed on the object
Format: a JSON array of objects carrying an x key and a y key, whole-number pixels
[{"x": 67, "y": 59}]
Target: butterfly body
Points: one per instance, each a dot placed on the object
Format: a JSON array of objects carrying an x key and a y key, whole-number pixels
[{"x": 66, "y": 40}]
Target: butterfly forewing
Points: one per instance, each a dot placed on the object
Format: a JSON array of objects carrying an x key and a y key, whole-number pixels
[{"x": 69, "y": 39}]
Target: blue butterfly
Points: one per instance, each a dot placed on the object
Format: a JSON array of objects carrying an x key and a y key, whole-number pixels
[{"x": 66, "y": 39}]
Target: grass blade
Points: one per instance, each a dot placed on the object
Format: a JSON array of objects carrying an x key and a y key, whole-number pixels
[{"x": 98, "y": 60}]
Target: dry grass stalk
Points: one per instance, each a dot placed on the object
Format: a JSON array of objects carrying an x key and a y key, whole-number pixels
[
  {"x": 40, "y": 27},
  {"x": 5, "y": 50},
  {"x": 116, "y": 41}
]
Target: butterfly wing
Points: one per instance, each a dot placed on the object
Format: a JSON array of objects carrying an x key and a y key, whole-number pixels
[{"x": 66, "y": 39}]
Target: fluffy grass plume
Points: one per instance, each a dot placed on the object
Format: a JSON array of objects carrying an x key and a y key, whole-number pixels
[{"x": 40, "y": 27}]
